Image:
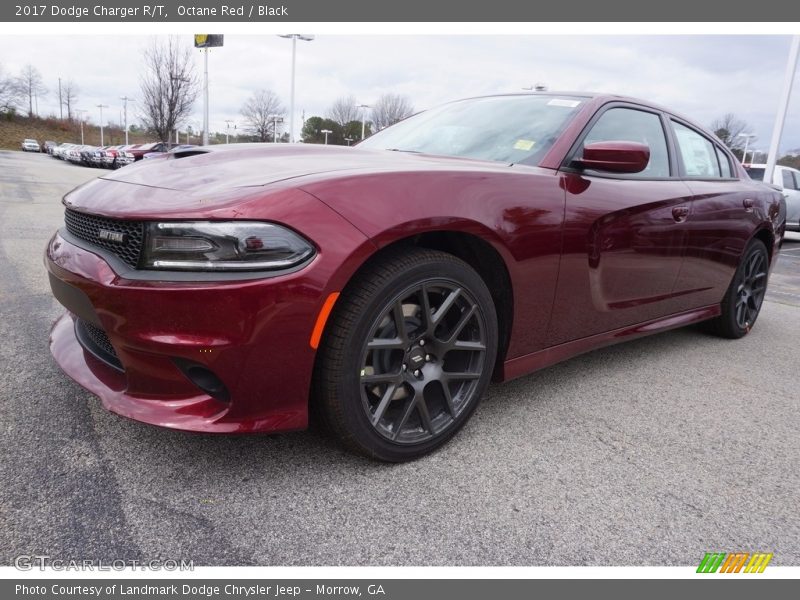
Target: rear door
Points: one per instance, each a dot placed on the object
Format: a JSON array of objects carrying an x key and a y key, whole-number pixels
[
  {"x": 623, "y": 234},
  {"x": 722, "y": 218}
]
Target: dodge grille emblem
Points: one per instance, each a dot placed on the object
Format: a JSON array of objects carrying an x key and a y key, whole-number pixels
[{"x": 111, "y": 236}]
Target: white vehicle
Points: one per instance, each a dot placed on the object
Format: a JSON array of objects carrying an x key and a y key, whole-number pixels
[
  {"x": 789, "y": 180},
  {"x": 29, "y": 145}
]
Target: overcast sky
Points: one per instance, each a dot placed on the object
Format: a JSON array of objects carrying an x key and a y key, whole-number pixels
[{"x": 702, "y": 77}]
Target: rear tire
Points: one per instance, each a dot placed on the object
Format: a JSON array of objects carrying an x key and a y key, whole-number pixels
[
  {"x": 742, "y": 302},
  {"x": 407, "y": 354}
]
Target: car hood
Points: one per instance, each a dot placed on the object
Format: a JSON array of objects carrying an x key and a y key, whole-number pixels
[
  {"x": 227, "y": 167},
  {"x": 218, "y": 179}
]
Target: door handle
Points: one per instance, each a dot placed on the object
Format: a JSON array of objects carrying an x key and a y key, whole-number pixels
[
  {"x": 748, "y": 204},
  {"x": 679, "y": 213}
]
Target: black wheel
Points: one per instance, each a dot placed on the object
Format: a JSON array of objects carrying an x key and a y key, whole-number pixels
[
  {"x": 407, "y": 354},
  {"x": 742, "y": 301}
]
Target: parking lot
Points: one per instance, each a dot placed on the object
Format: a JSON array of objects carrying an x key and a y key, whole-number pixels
[{"x": 647, "y": 453}]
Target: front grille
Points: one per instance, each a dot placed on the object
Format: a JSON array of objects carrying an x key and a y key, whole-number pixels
[
  {"x": 95, "y": 340},
  {"x": 87, "y": 227}
]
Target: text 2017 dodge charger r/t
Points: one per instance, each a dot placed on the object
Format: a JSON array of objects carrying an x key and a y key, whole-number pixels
[{"x": 385, "y": 285}]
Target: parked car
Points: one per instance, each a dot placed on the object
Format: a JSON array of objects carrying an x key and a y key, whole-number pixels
[
  {"x": 78, "y": 154},
  {"x": 117, "y": 157},
  {"x": 48, "y": 146},
  {"x": 137, "y": 152},
  {"x": 788, "y": 179},
  {"x": 87, "y": 155},
  {"x": 386, "y": 284},
  {"x": 95, "y": 157},
  {"x": 61, "y": 150},
  {"x": 110, "y": 156},
  {"x": 30, "y": 145},
  {"x": 127, "y": 157},
  {"x": 173, "y": 149}
]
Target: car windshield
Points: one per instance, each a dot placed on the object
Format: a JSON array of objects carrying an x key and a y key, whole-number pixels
[
  {"x": 755, "y": 173},
  {"x": 509, "y": 129}
]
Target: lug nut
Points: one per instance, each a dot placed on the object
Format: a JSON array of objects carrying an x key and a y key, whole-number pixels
[
  {"x": 405, "y": 367},
  {"x": 428, "y": 358},
  {"x": 417, "y": 373},
  {"x": 422, "y": 342}
]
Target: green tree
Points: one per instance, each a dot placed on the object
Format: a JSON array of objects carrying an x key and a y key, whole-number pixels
[
  {"x": 353, "y": 131},
  {"x": 314, "y": 126}
]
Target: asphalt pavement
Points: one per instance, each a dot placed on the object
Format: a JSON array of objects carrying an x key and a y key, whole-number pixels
[{"x": 652, "y": 452}]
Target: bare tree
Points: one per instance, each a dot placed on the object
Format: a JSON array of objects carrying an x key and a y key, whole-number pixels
[
  {"x": 344, "y": 110},
  {"x": 728, "y": 127},
  {"x": 389, "y": 109},
  {"x": 69, "y": 96},
  {"x": 9, "y": 92},
  {"x": 260, "y": 112},
  {"x": 31, "y": 85},
  {"x": 169, "y": 87}
]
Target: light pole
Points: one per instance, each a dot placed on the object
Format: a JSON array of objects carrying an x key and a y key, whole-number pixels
[
  {"x": 326, "y": 132},
  {"x": 125, "y": 99},
  {"x": 227, "y": 129},
  {"x": 205, "y": 97},
  {"x": 363, "y": 108},
  {"x": 275, "y": 120},
  {"x": 746, "y": 137},
  {"x": 81, "y": 112},
  {"x": 348, "y": 140},
  {"x": 101, "y": 107},
  {"x": 780, "y": 119},
  {"x": 294, "y": 37}
]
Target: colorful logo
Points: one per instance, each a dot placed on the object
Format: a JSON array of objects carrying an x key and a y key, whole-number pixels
[{"x": 734, "y": 562}]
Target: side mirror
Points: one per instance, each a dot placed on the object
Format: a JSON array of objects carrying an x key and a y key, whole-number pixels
[{"x": 617, "y": 157}]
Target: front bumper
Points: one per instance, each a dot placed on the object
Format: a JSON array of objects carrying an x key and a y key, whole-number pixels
[{"x": 253, "y": 335}]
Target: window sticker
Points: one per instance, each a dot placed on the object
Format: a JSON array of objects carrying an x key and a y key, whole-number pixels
[
  {"x": 563, "y": 102},
  {"x": 524, "y": 144}
]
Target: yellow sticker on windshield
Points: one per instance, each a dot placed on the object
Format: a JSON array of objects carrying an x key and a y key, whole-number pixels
[{"x": 524, "y": 145}]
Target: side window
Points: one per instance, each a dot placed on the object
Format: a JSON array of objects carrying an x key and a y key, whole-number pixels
[
  {"x": 789, "y": 182},
  {"x": 698, "y": 153},
  {"x": 724, "y": 163},
  {"x": 631, "y": 125}
]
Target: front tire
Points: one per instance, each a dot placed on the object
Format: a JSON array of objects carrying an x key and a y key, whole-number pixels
[
  {"x": 742, "y": 302},
  {"x": 407, "y": 355}
]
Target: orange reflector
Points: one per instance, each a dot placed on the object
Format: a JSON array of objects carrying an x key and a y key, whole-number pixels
[{"x": 322, "y": 318}]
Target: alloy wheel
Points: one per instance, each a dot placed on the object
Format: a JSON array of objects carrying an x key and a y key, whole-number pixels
[
  {"x": 422, "y": 360},
  {"x": 751, "y": 290}
]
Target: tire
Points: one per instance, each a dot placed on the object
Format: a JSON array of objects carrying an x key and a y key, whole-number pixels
[
  {"x": 742, "y": 302},
  {"x": 396, "y": 394}
]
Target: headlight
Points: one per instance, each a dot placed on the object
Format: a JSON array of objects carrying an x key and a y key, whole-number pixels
[{"x": 223, "y": 246}]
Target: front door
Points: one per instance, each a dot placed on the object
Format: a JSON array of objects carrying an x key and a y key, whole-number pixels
[{"x": 624, "y": 235}]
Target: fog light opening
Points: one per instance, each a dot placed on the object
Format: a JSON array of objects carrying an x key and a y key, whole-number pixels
[{"x": 203, "y": 378}]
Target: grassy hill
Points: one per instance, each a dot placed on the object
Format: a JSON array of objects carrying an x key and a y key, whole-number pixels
[{"x": 14, "y": 129}]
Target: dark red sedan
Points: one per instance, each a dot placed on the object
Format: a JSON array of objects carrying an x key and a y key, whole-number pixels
[{"x": 383, "y": 286}]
